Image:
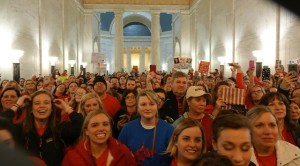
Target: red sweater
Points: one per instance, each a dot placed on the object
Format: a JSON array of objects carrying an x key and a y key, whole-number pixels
[
  {"x": 111, "y": 105},
  {"x": 81, "y": 155}
]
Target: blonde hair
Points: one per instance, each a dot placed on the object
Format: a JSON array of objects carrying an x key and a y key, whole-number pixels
[
  {"x": 255, "y": 112},
  {"x": 172, "y": 148},
  {"x": 87, "y": 120},
  {"x": 87, "y": 97},
  {"x": 153, "y": 97}
]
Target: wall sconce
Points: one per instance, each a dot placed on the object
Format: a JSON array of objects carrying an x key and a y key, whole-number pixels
[
  {"x": 16, "y": 55},
  {"x": 72, "y": 63},
  {"x": 52, "y": 60},
  {"x": 83, "y": 64}
]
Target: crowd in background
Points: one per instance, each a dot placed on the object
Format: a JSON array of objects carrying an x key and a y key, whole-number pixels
[{"x": 153, "y": 118}]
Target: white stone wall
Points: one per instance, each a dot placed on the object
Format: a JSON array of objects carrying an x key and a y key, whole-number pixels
[
  {"x": 234, "y": 30},
  {"x": 19, "y": 30},
  {"x": 48, "y": 28}
]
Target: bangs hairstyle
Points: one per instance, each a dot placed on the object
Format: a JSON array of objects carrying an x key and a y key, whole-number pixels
[
  {"x": 172, "y": 149},
  {"x": 270, "y": 97},
  {"x": 87, "y": 97},
  {"x": 88, "y": 118},
  {"x": 28, "y": 124},
  {"x": 255, "y": 112},
  {"x": 229, "y": 121},
  {"x": 152, "y": 96}
]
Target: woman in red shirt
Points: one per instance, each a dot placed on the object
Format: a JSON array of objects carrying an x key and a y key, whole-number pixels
[
  {"x": 268, "y": 149},
  {"x": 279, "y": 104},
  {"x": 97, "y": 146},
  {"x": 187, "y": 142}
]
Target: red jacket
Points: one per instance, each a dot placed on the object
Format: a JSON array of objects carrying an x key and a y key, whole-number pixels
[{"x": 81, "y": 155}]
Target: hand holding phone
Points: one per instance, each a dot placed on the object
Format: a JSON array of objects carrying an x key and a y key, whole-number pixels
[
  {"x": 293, "y": 68},
  {"x": 251, "y": 64},
  {"x": 266, "y": 73}
]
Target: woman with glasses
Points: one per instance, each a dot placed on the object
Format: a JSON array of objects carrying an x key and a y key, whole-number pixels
[
  {"x": 161, "y": 93},
  {"x": 128, "y": 110},
  {"x": 148, "y": 136},
  {"x": 254, "y": 94}
]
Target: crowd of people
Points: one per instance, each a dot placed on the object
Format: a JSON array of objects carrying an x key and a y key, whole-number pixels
[{"x": 152, "y": 118}]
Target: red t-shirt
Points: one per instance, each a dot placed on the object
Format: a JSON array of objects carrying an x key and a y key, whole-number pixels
[
  {"x": 111, "y": 105},
  {"x": 103, "y": 158},
  {"x": 173, "y": 163},
  {"x": 206, "y": 123},
  {"x": 40, "y": 131},
  {"x": 287, "y": 135},
  {"x": 267, "y": 160}
]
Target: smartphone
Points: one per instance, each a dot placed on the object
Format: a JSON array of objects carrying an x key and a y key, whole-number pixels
[
  {"x": 153, "y": 68},
  {"x": 230, "y": 64},
  {"x": 222, "y": 68},
  {"x": 251, "y": 64},
  {"x": 294, "y": 69},
  {"x": 258, "y": 69},
  {"x": 266, "y": 73},
  {"x": 123, "y": 117},
  {"x": 81, "y": 67}
]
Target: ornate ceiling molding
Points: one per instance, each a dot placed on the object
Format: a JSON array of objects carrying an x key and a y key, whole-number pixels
[
  {"x": 137, "y": 8},
  {"x": 139, "y": 2}
]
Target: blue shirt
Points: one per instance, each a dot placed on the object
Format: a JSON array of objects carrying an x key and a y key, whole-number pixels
[{"x": 139, "y": 140}]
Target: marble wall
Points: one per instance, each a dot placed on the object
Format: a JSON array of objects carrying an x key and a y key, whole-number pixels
[
  {"x": 235, "y": 28},
  {"x": 41, "y": 29}
]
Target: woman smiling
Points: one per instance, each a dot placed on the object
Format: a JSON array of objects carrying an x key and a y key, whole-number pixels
[
  {"x": 97, "y": 146},
  {"x": 41, "y": 134},
  {"x": 187, "y": 142}
]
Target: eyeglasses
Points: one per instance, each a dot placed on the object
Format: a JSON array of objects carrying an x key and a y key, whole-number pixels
[
  {"x": 162, "y": 99},
  {"x": 129, "y": 97},
  {"x": 258, "y": 91}
]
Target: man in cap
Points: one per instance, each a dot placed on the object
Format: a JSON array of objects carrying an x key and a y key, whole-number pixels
[{"x": 110, "y": 104}]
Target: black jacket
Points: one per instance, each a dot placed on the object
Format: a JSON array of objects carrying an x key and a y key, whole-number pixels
[
  {"x": 45, "y": 147},
  {"x": 170, "y": 108}
]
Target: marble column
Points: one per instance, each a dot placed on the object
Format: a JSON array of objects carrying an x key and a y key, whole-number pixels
[
  {"x": 128, "y": 56},
  {"x": 155, "y": 36},
  {"x": 119, "y": 60},
  {"x": 185, "y": 34},
  {"x": 87, "y": 38},
  {"x": 142, "y": 60}
]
